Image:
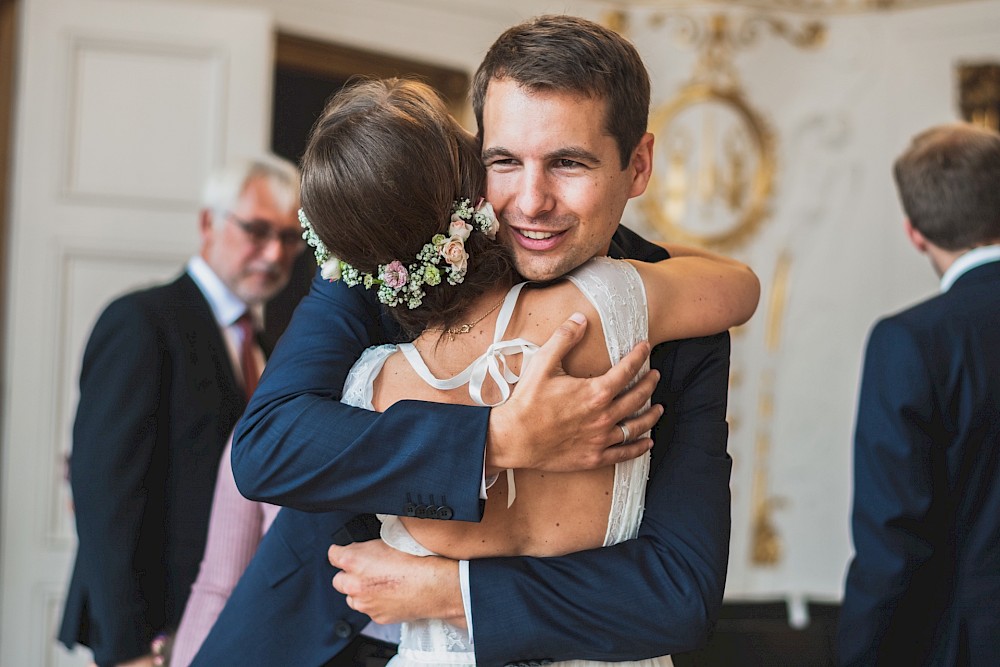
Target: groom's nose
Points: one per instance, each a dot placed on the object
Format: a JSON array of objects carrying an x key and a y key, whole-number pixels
[{"x": 534, "y": 197}]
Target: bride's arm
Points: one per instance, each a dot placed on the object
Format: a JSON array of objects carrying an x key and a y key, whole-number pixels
[{"x": 696, "y": 293}]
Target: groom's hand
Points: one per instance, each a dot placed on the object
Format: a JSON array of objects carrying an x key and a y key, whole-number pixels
[
  {"x": 391, "y": 586},
  {"x": 559, "y": 423}
]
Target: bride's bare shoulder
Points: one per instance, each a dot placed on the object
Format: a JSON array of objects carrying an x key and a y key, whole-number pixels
[{"x": 544, "y": 308}]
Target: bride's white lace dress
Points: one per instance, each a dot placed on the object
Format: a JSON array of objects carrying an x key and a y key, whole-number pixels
[{"x": 616, "y": 291}]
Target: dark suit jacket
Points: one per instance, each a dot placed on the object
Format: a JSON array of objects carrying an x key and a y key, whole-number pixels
[
  {"x": 924, "y": 585},
  {"x": 284, "y": 610},
  {"x": 298, "y": 446},
  {"x": 158, "y": 400}
]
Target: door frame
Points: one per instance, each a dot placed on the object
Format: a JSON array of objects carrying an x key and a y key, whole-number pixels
[
  {"x": 8, "y": 57},
  {"x": 337, "y": 61}
]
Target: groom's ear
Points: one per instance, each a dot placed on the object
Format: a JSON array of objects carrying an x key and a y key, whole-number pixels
[{"x": 641, "y": 165}]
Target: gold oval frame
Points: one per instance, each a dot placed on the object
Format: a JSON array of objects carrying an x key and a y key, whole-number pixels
[{"x": 761, "y": 186}]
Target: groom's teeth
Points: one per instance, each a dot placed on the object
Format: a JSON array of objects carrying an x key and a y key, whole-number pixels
[{"x": 537, "y": 235}]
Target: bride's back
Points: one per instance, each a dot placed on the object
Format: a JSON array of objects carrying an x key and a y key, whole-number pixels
[{"x": 554, "y": 513}]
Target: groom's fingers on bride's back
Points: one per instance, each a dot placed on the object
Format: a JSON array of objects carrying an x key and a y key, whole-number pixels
[
  {"x": 563, "y": 339},
  {"x": 633, "y": 400},
  {"x": 621, "y": 453},
  {"x": 639, "y": 424},
  {"x": 617, "y": 378}
]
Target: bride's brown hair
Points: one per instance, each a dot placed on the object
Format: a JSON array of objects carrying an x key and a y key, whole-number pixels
[{"x": 383, "y": 167}]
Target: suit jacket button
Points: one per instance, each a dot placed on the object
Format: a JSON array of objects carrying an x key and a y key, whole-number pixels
[
  {"x": 445, "y": 512},
  {"x": 411, "y": 509},
  {"x": 343, "y": 629}
]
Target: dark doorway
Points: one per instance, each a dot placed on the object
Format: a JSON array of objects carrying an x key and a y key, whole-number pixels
[
  {"x": 760, "y": 634},
  {"x": 299, "y": 97},
  {"x": 306, "y": 74}
]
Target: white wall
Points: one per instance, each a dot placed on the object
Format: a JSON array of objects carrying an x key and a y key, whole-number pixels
[{"x": 454, "y": 33}]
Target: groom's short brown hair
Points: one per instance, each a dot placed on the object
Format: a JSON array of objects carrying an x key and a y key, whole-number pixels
[{"x": 574, "y": 55}]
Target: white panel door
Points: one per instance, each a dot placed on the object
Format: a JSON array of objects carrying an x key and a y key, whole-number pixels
[{"x": 122, "y": 109}]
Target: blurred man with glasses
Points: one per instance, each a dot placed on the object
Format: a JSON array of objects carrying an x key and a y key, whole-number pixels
[{"x": 166, "y": 373}]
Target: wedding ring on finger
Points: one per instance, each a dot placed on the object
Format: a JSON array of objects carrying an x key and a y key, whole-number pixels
[{"x": 625, "y": 433}]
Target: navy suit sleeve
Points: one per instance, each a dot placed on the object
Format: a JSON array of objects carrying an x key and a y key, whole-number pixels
[
  {"x": 656, "y": 594},
  {"x": 297, "y": 445},
  {"x": 113, "y": 475},
  {"x": 893, "y": 484}
]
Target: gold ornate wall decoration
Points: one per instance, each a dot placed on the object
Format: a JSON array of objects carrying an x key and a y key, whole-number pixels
[
  {"x": 617, "y": 20},
  {"x": 715, "y": 162},
  {"x": 979, "y": 93},
  {"x": 766, "y": 547}
]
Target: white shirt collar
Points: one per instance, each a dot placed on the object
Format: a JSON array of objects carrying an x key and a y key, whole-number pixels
[
  {"x": 970, "y": 260},
  {"x": 226, "y": 306}
]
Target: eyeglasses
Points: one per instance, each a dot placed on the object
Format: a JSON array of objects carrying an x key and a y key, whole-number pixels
[{"x": 261, "y": 233}]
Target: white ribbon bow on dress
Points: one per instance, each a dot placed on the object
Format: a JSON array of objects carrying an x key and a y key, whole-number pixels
[{"x": 492, "y": 363}]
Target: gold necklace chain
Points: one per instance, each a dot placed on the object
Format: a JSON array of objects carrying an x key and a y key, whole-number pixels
[{"x": 466, "y": 328}]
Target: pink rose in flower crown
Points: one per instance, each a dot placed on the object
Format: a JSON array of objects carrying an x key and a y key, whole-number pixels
[
  {"x": 459, "y": 228},
  {"x": 395, "y": 275},
  {"x": 454, "y": 253}
]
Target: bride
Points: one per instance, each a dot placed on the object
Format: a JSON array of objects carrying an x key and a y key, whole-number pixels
[{"x": 392, "y": 192}]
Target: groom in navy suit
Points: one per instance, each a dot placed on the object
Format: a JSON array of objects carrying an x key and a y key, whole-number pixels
[
  {"x": 924, "y": 585},
  {"x": 556, "y": 175}
]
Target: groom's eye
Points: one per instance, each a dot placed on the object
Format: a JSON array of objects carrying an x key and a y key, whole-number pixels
[
  {"x": 500, "y": 163},
  {"x": 566, "y": 163}
]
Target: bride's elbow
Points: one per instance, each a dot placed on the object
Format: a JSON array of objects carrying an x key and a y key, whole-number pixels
[{"x": 748, "y": 295}]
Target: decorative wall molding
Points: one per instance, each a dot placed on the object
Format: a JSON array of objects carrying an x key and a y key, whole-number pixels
[
  {"x": 133, "y": 89},
  {"x": 715, "y": 153}
]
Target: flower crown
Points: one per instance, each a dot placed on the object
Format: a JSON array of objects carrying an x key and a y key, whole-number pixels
[{"x": 405, "y": 284}]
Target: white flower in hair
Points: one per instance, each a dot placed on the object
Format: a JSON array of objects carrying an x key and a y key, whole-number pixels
[
  {"x": 330, "y": 269},
  {"x": 486, "y": 219}
]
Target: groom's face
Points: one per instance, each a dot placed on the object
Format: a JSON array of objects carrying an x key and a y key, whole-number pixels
[{"x": 554, "y": 176}]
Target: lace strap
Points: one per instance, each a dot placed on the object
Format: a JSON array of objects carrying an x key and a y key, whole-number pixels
[{"x": 616, "y": 291}]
